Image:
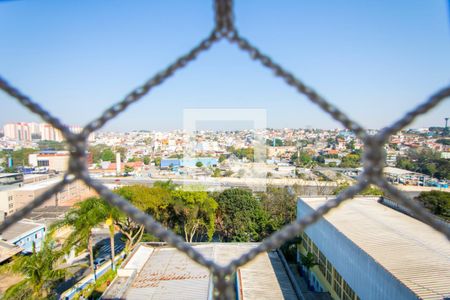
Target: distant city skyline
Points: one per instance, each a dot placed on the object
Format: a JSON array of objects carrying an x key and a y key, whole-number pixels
[
  {"x": 375, "y": 61},
  {"x": 242, "y": 127}
]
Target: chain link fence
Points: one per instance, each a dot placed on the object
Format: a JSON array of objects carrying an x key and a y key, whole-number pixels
[{"x": 373, "y": 158}]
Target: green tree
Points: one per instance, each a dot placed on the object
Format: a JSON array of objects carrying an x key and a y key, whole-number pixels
[
  {"x": 128, "y": 169},
  {"x": 222, "y": 158},
  {"x": 19, "y": 157},
  {"x": 437, "y": 202},
  {"x": 152, "y": 200},
  {"x": 248, "y": 153},
  {"x": 280, "y": 205},
  {"x": 157, "y": 161},
  {"x": 167, "y": 185},
  {"x": 194, "y": 214},
  {"x": 108, "y": 155},
  {"x": 122, "y": 150},
  {"x": 82, "y": 219},
  {"x": 274, "y": 142},
  {"x": 352, "y": 160},
  {"x": 303, "y": 160},
  {"x": 425, "y": 161},
  {"x": 199, "y": 164},
  {"x": 309, "y": 262},
  {"x": 430, "y": 169},
  {"x": 240, "y": 217},
  {"x": 146, "y": 160},
  {"x": 443, "y": 141},
  {"x": 368, "y": 191},
  {"x": 40, "y": 273},
  {"x": 52, "y": 145},
  {"x": 216, "y": 173}
]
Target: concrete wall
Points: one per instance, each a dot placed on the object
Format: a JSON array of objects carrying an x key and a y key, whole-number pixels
[
  {"x": 71, "y": 194},
  {"x": 7, "y": 202},
  {"x": 366, "y": 277}
]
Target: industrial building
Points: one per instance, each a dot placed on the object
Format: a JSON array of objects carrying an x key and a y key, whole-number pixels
[
  {"x": 16, "y": 194},
  {"x": 366, "y": 250},
  {"x": 51, "y": 160},
  {"x": 166, "y": 273}
]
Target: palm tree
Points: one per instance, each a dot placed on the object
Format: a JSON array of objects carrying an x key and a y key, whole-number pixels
[
  {"x": 309, "y": 262},
  {"x": 84, "y": 217},
  {"x": 39, "y": 271}
]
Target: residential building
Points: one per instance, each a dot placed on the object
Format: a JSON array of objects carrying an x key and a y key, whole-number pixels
[{"x": 25, "y": 234}]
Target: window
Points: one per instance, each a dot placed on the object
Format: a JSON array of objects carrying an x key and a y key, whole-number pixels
[
  {"x": 322, "y": 262},
  {"x": 346, "y": 297},
  {"x": 337, "y": 289},
  {"x": 348, "y": 290},
  {"x": 43, "y": 163},
  {"x": 315, "y": 249},
  {"x": 337, "y": 283},
  {"x": 328, "y": 276}
]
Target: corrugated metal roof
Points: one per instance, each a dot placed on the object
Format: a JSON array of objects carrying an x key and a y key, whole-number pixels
[
  {"x": 20, "y": 228},
  {"x": 410, "y": 250},
  {"x": 170, "y": 274}
]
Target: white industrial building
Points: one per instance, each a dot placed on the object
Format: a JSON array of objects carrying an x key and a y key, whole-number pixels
[{"x": 366, "y": 250}]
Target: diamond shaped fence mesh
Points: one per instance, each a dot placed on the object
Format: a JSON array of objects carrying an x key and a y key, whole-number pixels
[{"x": 373, "y": 158}]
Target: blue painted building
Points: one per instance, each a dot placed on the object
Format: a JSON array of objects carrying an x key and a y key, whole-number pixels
[
  {"x": 365, "y": 250},
  {"x": 176, "y": 163},
  {"x": 24, "y": 234}
]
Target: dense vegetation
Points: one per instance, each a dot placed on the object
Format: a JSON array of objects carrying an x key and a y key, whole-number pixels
[
  {"x": 19, "y": 157},
  {"x": 437, "y": 202},
  {"x": 427, "y": 162}
]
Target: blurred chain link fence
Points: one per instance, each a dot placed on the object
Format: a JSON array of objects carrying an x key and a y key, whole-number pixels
[{"x": 373, "y": 158}]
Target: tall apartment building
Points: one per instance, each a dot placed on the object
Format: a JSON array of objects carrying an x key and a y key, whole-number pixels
[
  {"x": 21, "y": 131},
  {"x": 27, "y": 131}
]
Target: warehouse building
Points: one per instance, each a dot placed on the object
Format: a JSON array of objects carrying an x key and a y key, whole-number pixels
[
  {"x": 166, "y": 273},
  {"x": 366, "y": 250}
]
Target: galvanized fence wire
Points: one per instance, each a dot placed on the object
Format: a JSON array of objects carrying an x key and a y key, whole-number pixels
[{"x": 373, "y": 158}]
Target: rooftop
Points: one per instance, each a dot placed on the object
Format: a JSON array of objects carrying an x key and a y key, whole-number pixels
[
  {"x": 41, "y": 184},
  {"x": 410, "y": 250},
  {"x": 8, "y": 250},
  {"x": 8, "y": 174},
  {"x": 166, "y": 273},
  {"x": 18, "y": 229},
  {"x": 398, "y": 171}
]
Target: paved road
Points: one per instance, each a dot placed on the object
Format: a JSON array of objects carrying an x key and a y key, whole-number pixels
[{"x": 102, "y": 243}]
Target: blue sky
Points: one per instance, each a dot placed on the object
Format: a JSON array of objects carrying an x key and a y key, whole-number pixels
[{"x": 373, "y": 59}]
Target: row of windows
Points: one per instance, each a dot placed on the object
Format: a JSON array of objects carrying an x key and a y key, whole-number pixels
[
  {"x": 339, "y": 285},
  {"x": 43, "y": 163}
]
